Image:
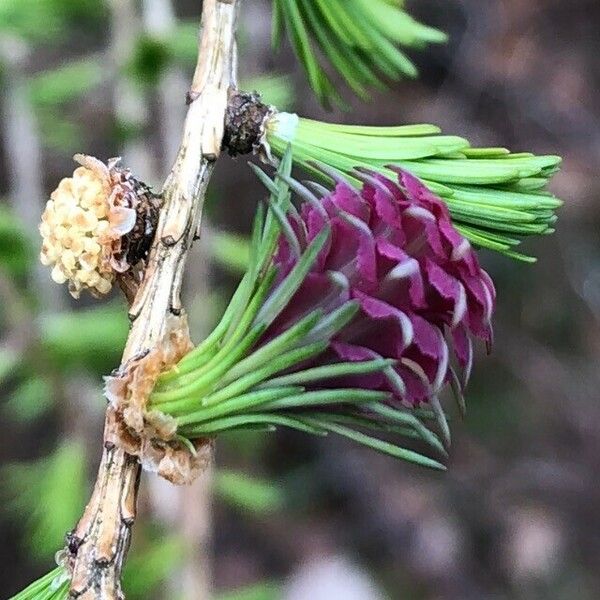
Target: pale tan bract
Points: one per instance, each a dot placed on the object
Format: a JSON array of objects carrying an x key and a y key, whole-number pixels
[{"x": 82, "y": 225}]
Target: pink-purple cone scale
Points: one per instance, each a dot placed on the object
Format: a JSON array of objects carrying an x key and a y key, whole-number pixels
[{"x": 421, "y": 291}]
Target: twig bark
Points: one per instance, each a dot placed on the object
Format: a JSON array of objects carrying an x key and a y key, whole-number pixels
[{"x": 99, "y": 544}]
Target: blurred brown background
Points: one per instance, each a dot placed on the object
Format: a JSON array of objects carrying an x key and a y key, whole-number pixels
[{"x": 517, "y": 514}]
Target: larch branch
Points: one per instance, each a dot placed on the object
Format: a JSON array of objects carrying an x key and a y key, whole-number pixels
[{"x": 98, "y": 546}]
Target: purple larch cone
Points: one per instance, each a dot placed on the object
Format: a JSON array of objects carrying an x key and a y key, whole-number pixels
[{"x": 422, "y": 294}]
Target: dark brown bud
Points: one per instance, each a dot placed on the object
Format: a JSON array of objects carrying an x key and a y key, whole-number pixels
[{"x": 244, "y": 122}]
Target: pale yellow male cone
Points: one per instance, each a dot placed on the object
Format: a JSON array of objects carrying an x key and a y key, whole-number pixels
[{"x": 88, "y": 222}]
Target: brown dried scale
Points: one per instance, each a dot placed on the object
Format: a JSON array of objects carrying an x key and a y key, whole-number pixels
[{"x": 151, "y": 435}]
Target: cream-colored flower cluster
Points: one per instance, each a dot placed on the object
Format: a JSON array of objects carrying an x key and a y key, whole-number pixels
[{"x": 80, "y": 226}]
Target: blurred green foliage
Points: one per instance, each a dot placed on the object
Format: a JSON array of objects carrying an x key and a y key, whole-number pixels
[
  {"x": 152, "y": 55},
  {"x": 34, "y": 20},
  {"x": 183, "y": 44},
  {"x": 16, "y": 248},
  {"x": 42, "y": 21},
  {"x": 274, "y": 89},
  {"x": 149, "y": 60},
  {"x": 65, "y": 83},
  {"x": 247, "y": 493},
  {"x": 60, "y": 480},
  {"x": 53, "y": 91},
  {"x": 59, "y": 133},
  {"x": 230, "y": 250},
  {"x": 150, "y": 564},
  {"x": 91, "y": 339},
  {"x": 31, "y": 399},
  {"x": 9, "y": 360},
  {"x": 260, "y": 591}
]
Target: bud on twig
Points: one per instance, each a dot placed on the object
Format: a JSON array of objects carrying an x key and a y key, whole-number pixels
[{"x": 244, "y": 122}]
